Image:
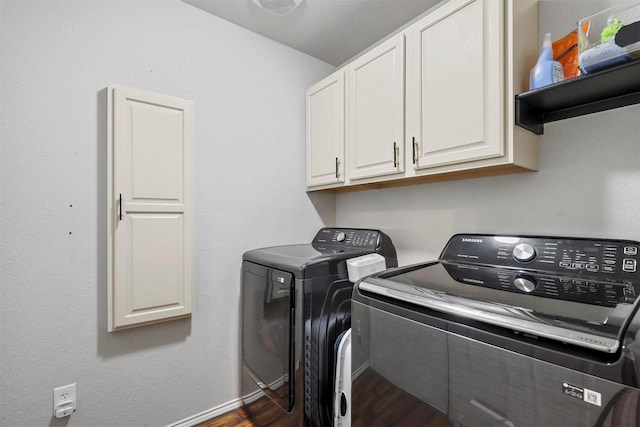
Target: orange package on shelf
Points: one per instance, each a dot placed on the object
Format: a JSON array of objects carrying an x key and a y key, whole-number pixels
[{"x": 565, "y": 51}]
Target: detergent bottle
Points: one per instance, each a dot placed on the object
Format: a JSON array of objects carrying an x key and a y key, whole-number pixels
[{"x": 546, "y": 71}]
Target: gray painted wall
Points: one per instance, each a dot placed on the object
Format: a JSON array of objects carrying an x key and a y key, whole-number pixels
[
  {"x": 588, "y": 182},
  {"x": 57, "y": 58}
]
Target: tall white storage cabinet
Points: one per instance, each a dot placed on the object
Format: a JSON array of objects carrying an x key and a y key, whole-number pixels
[{"x": 150, "y": 231}]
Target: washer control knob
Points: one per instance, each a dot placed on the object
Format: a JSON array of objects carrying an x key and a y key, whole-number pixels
[
  {"x": 524, "y": 252},
  {"x": 340, "y": 236},
  {"x": 525, "y": 284}
]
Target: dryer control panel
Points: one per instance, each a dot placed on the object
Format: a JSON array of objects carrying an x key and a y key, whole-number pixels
[{"x": 348, "y": 238}]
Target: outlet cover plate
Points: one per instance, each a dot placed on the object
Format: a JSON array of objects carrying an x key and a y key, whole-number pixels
[{"x": 64, "y": 400}]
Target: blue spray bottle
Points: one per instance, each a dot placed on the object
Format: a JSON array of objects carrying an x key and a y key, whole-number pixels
[{"x": 546, "y": 71}]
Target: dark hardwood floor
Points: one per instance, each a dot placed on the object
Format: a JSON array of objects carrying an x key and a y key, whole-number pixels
[
  {"x": 381, "y": 404},
  {"x": 237, "y": 417}
]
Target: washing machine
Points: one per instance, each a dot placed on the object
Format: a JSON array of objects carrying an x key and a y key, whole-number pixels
[
  {"x": 501, "y": 330},
  {"x": 296, "y": 302}
]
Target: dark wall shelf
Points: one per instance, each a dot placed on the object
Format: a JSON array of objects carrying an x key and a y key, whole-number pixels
[{"x": 590, "y": 93}]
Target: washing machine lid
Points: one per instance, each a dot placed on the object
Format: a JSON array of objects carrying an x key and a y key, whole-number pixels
[{"x": 481, "y": 278}]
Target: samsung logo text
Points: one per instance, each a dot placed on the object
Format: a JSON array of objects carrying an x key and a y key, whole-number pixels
[{"x": 471, "y": 240}]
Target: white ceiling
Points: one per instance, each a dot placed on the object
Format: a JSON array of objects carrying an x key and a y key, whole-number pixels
[{"x": 333, "y": 31}]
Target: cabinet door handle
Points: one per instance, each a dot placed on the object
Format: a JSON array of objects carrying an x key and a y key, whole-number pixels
[
  {"x": 413, "y": 149},
  {"x": 396, "y": 163},
  {"x": 120, "y": 207},
  {"x": 337, "y": 168}
]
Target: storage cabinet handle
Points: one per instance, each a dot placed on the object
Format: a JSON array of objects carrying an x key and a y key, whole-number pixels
[
  {"x": 120, "y": 207},
  {"x": 415, "y": 150},
  {"x": 396, "y": 163},
  {"x": 337, "y": 170}
]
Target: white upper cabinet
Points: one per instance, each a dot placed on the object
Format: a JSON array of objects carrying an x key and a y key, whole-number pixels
[
  {"x": 149, "y": 209},
  {"x": 325, "y": 131},
  {"x": 454, "y": 84},
  {"x": 375, "y": 111},
  {"x": 436, "y": 101}
]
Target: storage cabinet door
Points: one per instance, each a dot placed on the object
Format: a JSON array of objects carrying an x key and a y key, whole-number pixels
[
  {"x": 150, "y": 208},
  {"x": 375, "y": 98},
  {"x": 325, "y": 131},
  {"x": 454, "y": 84}
]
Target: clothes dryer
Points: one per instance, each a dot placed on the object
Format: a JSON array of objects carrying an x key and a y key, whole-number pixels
[{"x": 296, "y": 301}]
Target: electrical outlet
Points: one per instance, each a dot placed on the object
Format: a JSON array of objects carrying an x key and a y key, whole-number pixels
[{"x": 64, "y": 400}]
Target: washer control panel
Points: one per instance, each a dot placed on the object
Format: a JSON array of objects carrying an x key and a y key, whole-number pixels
[
  {"x": 609, "y": 260},
  {"x": 577, "y": 289}
]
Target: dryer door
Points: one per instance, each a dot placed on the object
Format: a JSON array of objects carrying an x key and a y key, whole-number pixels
[{"x": 267, "y": 329}]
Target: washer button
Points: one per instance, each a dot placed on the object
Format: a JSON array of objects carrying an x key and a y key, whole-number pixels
[{"x": 629, "y": 265}]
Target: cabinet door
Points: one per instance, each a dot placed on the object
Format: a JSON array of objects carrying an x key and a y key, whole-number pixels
[
  {"x": 375, "y": 99},
  {"x": 325, "y": 131},
  {"x": 150, "y": 268},
  {"x": 454, "y": 84}
]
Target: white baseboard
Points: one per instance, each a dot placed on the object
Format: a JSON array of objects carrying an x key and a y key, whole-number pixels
[
  {"x": 356, "y": 373},
  {"x": 252, "y": 397},
  {"x": 208, "y": 414}
]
